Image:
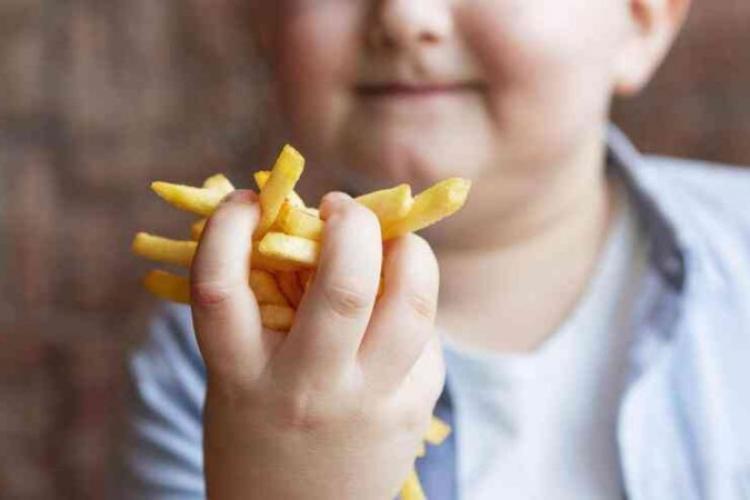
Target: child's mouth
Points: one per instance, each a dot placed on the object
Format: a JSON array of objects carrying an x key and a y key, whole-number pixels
[{"x": 401, "y": 90}]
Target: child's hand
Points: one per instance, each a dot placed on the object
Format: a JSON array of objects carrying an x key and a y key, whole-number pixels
[{"x": 337, "y": 408}]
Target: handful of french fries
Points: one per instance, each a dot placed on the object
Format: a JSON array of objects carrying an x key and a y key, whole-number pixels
[{"x": 286, "y": 244}]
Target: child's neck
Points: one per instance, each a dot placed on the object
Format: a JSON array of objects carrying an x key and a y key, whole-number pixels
[{"x": 512, "y": 296}]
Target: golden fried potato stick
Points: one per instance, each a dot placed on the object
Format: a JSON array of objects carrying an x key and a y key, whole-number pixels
[
  {"x": 284, "y": 176},
  {"x": 196, "y": 229},
  {"x": 389, "y": 205},
  {"x": 439, "y": 201},
  {"x": 437, "y": 432},
  {"x": 300, "y": 222},
  {"x": 274, "y": 317},
  {"x": 265, "y": 288},
  {"x": 412, "y": 489},
  {"x": 164, "y": 250},
  {"x": 219, "y": 183},
  {"x": 200, "y": 201},
  {"x": 290, "y": 249},
  {"x": 291, "y": 287},
  {"x": 168, "y": 286},
  {"x": 261, "y": 177},
  {"x": 272, "y": 264}
]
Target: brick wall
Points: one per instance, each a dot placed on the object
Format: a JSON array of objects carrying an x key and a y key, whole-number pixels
[{"x": 97, "y": 97}]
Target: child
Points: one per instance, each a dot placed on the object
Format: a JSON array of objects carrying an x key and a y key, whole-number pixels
[{"x": 594, "y": 310}]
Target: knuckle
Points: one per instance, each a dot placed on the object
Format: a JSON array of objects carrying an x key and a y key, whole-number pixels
[
  {"x": 422, "y": 304},
  {"x": 210, "y": 295},
  {"x": 348, "y": 299},
  {"x": 298, "y": 412}
]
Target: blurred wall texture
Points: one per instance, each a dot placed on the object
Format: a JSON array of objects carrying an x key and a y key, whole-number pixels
[{"x": 99, "y": 97}]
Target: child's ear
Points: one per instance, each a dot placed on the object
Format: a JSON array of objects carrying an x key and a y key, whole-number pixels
[{"x": 654, "y": 26}]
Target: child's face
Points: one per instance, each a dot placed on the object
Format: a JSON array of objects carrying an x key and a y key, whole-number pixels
[{"x": 417, "y": 90}]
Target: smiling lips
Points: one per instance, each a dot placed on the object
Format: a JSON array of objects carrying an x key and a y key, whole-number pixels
[{"x": 412, "y": 90}]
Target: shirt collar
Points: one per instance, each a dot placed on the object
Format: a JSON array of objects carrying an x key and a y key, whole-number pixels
[{"x": 666, "y": 253}]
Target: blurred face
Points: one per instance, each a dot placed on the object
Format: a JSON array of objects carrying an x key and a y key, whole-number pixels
[{"x": 506, "y": 92}]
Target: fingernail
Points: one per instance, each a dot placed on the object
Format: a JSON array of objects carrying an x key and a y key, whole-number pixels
[
  {"x": 330, "y": 200},
  {"x": 241, "y": 195}
]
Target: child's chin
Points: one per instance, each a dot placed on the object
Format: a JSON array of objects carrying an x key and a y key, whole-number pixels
[{"x": 418, "y": 163}]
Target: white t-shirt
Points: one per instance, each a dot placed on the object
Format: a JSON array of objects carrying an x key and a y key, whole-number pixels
[{"x": 543, "y": 425}]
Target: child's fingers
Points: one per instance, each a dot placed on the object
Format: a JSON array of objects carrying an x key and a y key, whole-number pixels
[
  {"x": 225, "y": 313},
  {"x": 334, "y": 313},
  {"x": 403, "y": 320}
]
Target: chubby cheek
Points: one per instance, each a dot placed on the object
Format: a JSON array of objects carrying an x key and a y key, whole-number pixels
[
  {"x": 548, "y": 69},
  {"x": 315, "y": 59}
]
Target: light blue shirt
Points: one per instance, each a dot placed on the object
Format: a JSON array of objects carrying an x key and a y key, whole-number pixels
[
  {"x": 552, "y": 412},
  {"x": 683, "y": 427}
]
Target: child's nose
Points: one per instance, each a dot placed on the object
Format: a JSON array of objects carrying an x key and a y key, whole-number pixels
[{"x": 406, "y": 23}]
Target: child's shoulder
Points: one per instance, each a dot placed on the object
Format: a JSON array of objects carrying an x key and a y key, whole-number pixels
[
  {"x": 693, "y": 189},
  {"x": 707, "y": 203},
  {"x": 717, "y": 183}
]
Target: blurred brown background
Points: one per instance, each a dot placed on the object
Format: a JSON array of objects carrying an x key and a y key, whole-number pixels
[{"x": 99, "y": 97}]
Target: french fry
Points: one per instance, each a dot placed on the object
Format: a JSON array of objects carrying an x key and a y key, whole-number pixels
[
  {"x": 265, "y": 288},
  {"x": 261, "y": 177},
  {"x": 389, "y": 205},
  {"x": 274, "y": 317},
  {"x": 291, "y": 249},
  {"x": 219, "y": 183},
  {"x": 164, "y": 250},
  {"x": 412, "y": 489},
  {"x": 272, "y": 264},
  {"x": 439, "y": 201},
  {"x": 300, "y": 222},
  {"x": 284, "y": 176},
  {"x": 437, "y": 432},
  {"x": 200, "y": 201},
  {"x": 168, "y": 286},
  {"x": 196, "y": 229},
  {"x": 290, "y": 287}
]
